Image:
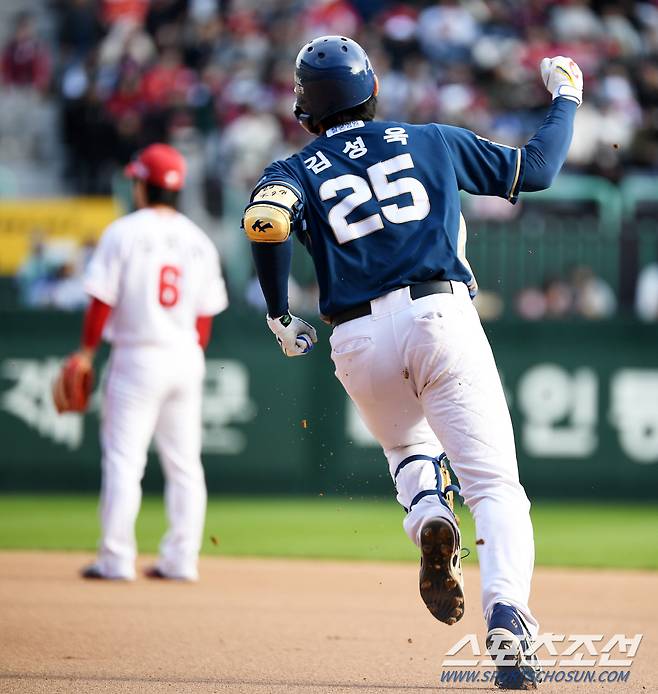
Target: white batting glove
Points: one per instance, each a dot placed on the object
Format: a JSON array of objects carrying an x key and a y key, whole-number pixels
[
  {"x": 563, "y": 77},
  {"x": 295, "y": 335}
]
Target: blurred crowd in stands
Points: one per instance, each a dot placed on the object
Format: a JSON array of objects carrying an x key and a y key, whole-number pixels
[
  {"x": 127, "y": 72},
  {"x": 52, "y": 275},
  {"x": 214, "y": 77}
]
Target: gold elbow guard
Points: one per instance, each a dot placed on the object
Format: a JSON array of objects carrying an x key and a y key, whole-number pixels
[
  {"x": 268, "y": 217},
  {"x": 266, "y": 223}
]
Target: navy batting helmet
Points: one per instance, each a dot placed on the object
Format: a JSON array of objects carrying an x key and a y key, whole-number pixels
[{"x": 332, "y": 74}]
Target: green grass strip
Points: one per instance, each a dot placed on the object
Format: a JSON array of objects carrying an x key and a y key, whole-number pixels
[{"x": 567, "y": 534}]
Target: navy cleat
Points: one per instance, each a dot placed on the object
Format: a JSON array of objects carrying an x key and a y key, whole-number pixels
[
  {"x": 441, "y": 581},
  {"x": 509, "y": 645}
]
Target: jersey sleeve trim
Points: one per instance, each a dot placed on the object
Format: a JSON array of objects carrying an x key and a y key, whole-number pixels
[
  {"x": 518, "y": 176},
  {"x": 517, "y": 173},
  {"x": 275, "y": 182}
]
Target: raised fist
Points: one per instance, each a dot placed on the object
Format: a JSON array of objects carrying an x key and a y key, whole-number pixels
[{"x": 563, "y": 77}]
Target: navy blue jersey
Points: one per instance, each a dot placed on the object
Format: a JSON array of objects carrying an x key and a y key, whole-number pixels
[{"x": 380, "y": 203}]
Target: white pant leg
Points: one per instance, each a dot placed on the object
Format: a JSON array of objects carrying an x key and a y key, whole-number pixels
[
  {"x": 369, "y": 367},
  {"x": 178, "y": 439},
  {"x": 462, "y": 397},
  {"x": 130, "y": 409}
]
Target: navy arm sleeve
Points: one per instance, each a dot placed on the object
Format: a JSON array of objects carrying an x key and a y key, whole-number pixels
[
  {"x": 546, "y": 152},
  {"x": 273, "y": 260}
]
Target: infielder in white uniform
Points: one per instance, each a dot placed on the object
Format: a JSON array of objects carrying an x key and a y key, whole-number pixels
[
  {"x": 156, "y": 278},
  {"x": 376, "y": 204}
]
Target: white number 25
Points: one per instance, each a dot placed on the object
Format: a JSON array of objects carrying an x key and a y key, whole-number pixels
[{"x": 384, "y": 190}]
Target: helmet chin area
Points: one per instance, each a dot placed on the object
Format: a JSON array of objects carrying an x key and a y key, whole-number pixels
[{"x": 305, "y": 120}]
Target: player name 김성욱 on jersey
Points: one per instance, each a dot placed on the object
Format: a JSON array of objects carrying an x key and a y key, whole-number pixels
[{"x": 379, "y": 204}]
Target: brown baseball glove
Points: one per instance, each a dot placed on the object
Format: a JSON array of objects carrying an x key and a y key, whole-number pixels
[{"x": 74, "y": 384}]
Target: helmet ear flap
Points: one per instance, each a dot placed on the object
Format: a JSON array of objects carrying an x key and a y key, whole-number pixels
[{"x": 306, "y": 121}]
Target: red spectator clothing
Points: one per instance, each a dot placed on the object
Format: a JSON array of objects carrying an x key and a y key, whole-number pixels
[
  {"x": 163, "y": 82},
  {"x": 131, "y": 10},
  {"x": 26, "y": 63},
  {"x": 94, "y": 322},
  {"x": 332, "y": 17},
  {"x": 125, "y": 102},
  {"x": 204, "y": 328}
]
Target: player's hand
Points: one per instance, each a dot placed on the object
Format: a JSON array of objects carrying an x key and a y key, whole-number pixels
[
  {"x": 563, "y": 77},
  {"x": 72, "y": 389},
  {"x": 295, "y": 335}
]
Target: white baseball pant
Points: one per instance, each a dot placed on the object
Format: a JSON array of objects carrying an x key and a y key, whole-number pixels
[
  {"x": 152, "y": 390},
  {"x": 423, "y": 378}
]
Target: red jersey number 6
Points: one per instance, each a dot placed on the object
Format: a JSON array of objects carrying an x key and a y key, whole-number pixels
[{"x": 169, "y": 278}]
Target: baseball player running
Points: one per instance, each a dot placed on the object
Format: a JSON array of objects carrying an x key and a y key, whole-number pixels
[
  {"x": 376, "y": 204},
  {"x": 155, "y": 283}
]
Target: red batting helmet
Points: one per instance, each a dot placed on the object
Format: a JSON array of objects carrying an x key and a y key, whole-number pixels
[{"x": 160, "y": 165}]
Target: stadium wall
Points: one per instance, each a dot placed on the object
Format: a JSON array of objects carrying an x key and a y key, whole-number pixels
[{"x": 584, "y": 399}]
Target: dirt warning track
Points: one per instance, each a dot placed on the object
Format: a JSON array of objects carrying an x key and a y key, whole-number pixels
[{"x": 277, "y": 626}]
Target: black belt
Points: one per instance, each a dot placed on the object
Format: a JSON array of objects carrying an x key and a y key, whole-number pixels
[{"x": 415, "y": 290}]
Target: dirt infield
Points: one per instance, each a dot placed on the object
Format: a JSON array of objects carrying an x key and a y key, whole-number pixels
[{"x": 279, "y": 626}]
